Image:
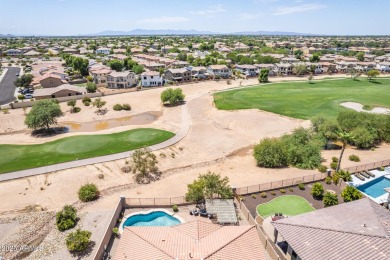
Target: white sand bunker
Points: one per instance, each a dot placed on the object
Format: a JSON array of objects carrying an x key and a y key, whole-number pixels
[{"x": 359, "y": 107}]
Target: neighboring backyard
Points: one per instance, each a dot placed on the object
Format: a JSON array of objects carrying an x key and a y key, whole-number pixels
[
  {"x": 288, "y": 205},
  {"x": 20, "y": 157},
  {"x": 304, "y": 100}
]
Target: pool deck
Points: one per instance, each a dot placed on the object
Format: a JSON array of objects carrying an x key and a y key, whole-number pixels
[{"x": 357, "y": 182}]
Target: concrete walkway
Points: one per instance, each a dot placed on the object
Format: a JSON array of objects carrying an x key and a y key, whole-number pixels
[{"x": 185, "y": 127}]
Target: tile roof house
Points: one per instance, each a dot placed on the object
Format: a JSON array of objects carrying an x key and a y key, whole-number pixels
[
  {"x": 191, "y": 240},
  {"x": 122, "y": 79},
  {"x": 354, "y": 230},
  {"x": 64, "y": 90}
]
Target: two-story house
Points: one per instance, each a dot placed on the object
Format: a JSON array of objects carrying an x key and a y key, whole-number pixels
[
  {"x": 104, "y": 51},
  {"x": 283, "y": 68},
  {"x": 219, "y": 71},
  {"x": 123, "y": 79},
  {"x": 178, "y": 75},
  {"x": 151, "y": 79},
  {"x": 247, "y": 70}
]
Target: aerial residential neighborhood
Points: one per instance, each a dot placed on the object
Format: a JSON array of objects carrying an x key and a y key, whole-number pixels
[{"x": 221, "y": 130}]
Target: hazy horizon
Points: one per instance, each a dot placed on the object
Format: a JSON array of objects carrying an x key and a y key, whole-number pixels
[{"x": 73, "y": 18}]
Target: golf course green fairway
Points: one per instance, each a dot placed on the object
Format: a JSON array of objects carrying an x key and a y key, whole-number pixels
[
  {"x": 288, "y": 205},
  {"x": 304, "y": 100},
  {"x": 21, "y": 157}
]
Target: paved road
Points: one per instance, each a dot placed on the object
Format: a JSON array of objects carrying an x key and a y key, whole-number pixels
[
  {"x": 185, "y": 127},
  {"x": 7, "y": 87}
]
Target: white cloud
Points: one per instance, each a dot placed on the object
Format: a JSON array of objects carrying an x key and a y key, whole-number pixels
[
  {"x": 265, "y": 1},
  {"x": 164, "y": 19},
  {"x": 297, "y": 9},
  {"x": 248, "y": 16},
  {"x": 211, "y": 10}
]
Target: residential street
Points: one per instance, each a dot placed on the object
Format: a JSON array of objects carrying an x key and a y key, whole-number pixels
[{"x": 7, "y": 87}]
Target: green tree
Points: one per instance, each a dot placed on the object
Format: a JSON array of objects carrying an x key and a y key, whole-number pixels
[
  {"x": 24, "y": 81},
  {"x": 270, "y": 153},
  {"x": 300, "y": 69},
  {"x": 317, "y": 190},
  {"x": 144, "y": 166},
  {"x": 298, "y": 54},
  {"x": 138, "y": 69},
  {"x": 99, "y": 103},
  {"x": 91, "y": 87},
  {"x": 351, "y": 193},
  {"x": 209, "y": 186},
  {"x": 72, "y": 103},
  {"x": 43, "y": 114},
  {"x": 330, "y": 199},
  {"x": 66, "y": 218},
  {"x": 360, "y": 56},
  {"x": 344, "y": 138},
  {"x": 172, "y": 96},
  {"x": 78, "y": 241},
  {"x": 315, "y": 57},
  {"x": 88, "y": 192},
  {"x": 364, "y": 137},
  {"x": 263, "y": 76},
  {"x": 116, "y": 65},
  {"x": 371, "y": 74}
]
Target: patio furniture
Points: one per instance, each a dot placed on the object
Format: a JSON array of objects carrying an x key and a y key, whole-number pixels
[
  {"x": 357, "y": 175},
  {"x": 194, "y": 212},
  {"x": 364, "y": 174},
  {"x": 203, "y": 213},
  {"x": 370, "y": 173}
]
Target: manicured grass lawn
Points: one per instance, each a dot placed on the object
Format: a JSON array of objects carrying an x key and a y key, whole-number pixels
[
  {"x": 20, "y": 157},
  {"x": 304, "y": 100},
  {"x": 288, "y": 205}
]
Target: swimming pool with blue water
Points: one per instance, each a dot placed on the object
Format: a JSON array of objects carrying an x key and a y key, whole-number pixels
[
  {"x": 155, "y": 218},
  {"x": 375, "y": 188}
]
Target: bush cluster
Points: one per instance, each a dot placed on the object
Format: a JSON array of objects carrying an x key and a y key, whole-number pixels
[
  {"x": 88, "y": 192},
  {"x": 354, "y": 158},
  {"x": 330, "y": 199},
  {"x": 66, "y": 218},
  {"x": 78, "y": 241},
  {"x": 119, "y": 107},
  {"x": 300, "y": 149},
  {"x": 317, "y": 190}
]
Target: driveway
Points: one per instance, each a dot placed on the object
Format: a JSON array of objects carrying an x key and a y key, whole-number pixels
[{"x": 7, "y": 87}]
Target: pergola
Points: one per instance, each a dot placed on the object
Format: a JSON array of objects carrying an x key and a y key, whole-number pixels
[{"x": 224, "y": 209}]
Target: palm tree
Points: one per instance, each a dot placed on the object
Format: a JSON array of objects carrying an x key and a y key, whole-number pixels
[{"x": 344, "y": 138}]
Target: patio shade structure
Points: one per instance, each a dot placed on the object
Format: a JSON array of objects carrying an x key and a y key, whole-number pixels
[{"x": 224, "y": 209}]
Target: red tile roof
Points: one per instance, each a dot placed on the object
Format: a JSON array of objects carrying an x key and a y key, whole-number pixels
[{"x": 192, "y": 240}]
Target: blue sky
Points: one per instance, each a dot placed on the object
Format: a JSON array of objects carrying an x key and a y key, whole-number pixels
[{"x": 72, "y": 17}]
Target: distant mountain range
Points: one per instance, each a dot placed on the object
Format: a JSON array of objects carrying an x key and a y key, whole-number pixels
[
  {"x": 138, "y": 32},
  {"x": 6, "y": 35}
]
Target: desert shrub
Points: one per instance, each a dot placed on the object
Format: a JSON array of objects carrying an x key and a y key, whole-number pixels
[
  {"x": 78, "y": 241},
  {"x": 351, "y": 193},
  {"x": 335, "y": 159},
  {"x": 66, "y": 218},
  {"x": 86, "y": 99},
  {"x": 333, "y": 165},
  {"x": 126, "y": 107},
  {"x": 175, "y": 208},
  {"x": 322, "y": 168},
  {"x": 126, "y": 169},
  {"x": 282, "y": 191},
  {"x": 382, "y": 168},
  {"x": 270, "y": 153},
  {"x": 21, "y": 97},
  {"x": 330, "y": 199},
  {"x": 253, "y": 196},
  {"x": 354, "y": 158},
  {"x": 115, "y": 231},
  {"x": 88, "y": 192},
  {"x": 328, "y": 180},
  {"x": 273, "y": 193},
  {"x": 346, "y": 176},
  {"x": 291, "y": 189},
  {"x": 317, "y": 190},
  {"x": 335, "y": 178},
  {"x": 117, "y": 107},
  {"x": 263, "y": 195},
  {"x": 87, "y": 103},
  {"x": 301, "y": 186}
]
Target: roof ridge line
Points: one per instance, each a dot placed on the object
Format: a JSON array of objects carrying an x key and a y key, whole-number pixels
[
  {"x": 150, "y": 243},
  {"x": 328, "y": 229},
  {"x": 238, "y": 236}
]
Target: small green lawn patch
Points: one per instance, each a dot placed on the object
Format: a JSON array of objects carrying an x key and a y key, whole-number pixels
[
  {"x": 289, "y": 205},
  {"x": 303, "y": 100},
  {"x": 21, "y": 157}
]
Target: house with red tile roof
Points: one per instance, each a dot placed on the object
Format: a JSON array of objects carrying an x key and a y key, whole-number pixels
[{"x": 191, "y": 240}]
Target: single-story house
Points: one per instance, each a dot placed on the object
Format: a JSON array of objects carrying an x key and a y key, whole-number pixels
[
  {"x": 191, "y": 240},
  {"x": 49, "y": 81},
  {"x": 64, "y": 90}
]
